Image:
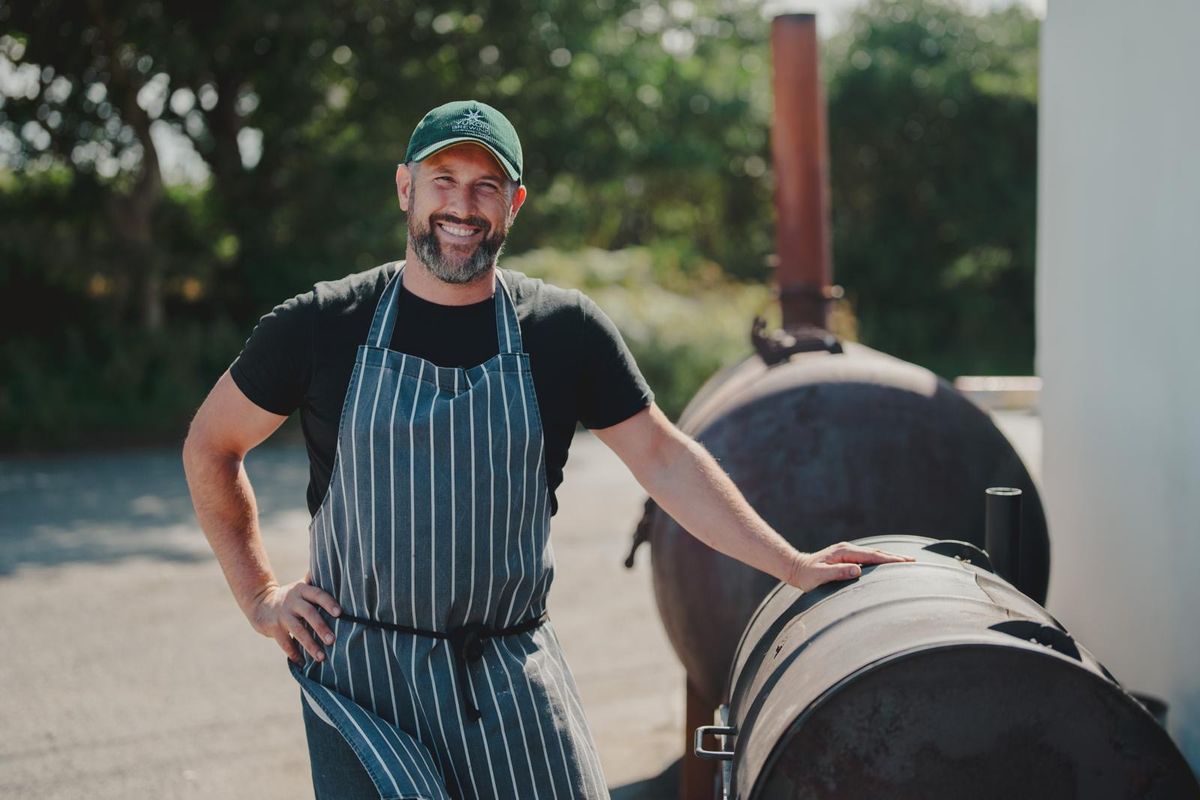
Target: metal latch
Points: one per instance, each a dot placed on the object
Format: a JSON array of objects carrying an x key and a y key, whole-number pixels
[{"x": 713, "y": 730}]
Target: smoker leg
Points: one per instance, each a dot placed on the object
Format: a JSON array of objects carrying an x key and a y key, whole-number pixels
[{"x": 697, "y": 778}]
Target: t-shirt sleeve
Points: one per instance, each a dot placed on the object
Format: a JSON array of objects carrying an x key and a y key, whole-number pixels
[
  {"x": 612, "y": 388},
  {"x": 275, "y": 366}
]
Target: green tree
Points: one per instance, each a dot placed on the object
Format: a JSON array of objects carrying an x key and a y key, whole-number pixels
[
  {"x": 933, "y": 138},
  {"x": 639, "y": 122}
]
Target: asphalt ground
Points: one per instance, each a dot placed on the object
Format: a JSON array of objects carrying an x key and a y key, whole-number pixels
[{"x": 129, "y": 672}]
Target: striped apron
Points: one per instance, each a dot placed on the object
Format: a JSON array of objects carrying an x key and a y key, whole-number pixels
[{"x": 444, "y": 677}]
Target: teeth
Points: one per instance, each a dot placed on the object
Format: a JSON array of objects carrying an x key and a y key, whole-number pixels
[{"x": 457, "y": 230}]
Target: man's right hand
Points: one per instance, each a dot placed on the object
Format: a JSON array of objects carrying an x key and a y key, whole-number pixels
[{"x": 281, "y": 612}]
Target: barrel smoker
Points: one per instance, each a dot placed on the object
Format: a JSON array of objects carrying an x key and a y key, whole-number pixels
[
  {"x": 936, "y": 679},
  {"x": 829, "y": 441},
  {"x": 827, "y": 445}
]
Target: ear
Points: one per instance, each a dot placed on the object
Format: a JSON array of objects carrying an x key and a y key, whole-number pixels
[
  {"x": 518, "y": 200},
  {"x": 404, "y": 179}
]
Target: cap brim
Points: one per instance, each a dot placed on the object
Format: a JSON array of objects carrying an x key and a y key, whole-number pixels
[{"x": 509, "y": 169}]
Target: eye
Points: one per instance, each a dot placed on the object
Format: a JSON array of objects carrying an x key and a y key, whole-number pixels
[
  {"x": 444, "y": 180},
  {"x": 489, "y": 187}
]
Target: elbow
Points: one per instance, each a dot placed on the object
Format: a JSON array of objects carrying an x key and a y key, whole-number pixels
[
  {"x": 193, "y": 451},
  {"x": 201, "y": 451},
  {"x": 662, "y": 461}
]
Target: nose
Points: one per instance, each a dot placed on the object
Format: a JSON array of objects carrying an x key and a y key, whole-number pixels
[{"x": 460, "y": 202}]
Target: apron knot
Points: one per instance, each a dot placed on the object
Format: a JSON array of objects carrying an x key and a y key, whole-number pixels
[{"x": 468, "y": 641}]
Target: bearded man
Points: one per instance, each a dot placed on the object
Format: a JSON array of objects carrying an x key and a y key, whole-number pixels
[{"x": 438, "y": 396}]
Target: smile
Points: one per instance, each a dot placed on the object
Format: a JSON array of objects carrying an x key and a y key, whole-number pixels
[{"x": 462, "y": 232}]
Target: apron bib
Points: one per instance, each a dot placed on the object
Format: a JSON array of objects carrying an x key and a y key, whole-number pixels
[{"x": 433, "y": 536}]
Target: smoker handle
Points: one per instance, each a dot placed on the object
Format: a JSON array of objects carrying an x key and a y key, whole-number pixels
[
  {"x": 712, "y": 730},
  {"x": 641, "y": 534}
]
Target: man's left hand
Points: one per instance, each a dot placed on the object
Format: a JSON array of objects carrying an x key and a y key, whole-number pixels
[{"x": 838, "y": 562}]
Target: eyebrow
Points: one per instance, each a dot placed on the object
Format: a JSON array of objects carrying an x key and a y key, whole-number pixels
[{"x": 493, "y": 176}]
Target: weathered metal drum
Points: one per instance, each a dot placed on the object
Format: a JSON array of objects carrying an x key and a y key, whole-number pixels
[
  {"x": 829, "y": 447},
  {"x": 934, "y": 679}
]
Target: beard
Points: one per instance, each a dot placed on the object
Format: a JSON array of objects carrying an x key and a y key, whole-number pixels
[{"x": 449, "y": 268}]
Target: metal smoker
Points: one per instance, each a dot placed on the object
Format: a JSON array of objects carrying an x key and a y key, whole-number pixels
[
  {"x": 931, "y": 680},
  {"x": 828, "y": 440}
]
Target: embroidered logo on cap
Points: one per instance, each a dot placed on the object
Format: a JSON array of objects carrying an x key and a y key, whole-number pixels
[{"x": 471, "y": 122}]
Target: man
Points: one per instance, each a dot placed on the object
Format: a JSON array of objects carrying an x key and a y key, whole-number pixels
[{"x": 438, "y": 398}]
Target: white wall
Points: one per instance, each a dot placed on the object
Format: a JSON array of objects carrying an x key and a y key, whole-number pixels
[{"x": 1118, "y": 330}]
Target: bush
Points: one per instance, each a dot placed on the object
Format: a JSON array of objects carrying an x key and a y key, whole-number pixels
[
  {"x": 681, "y": 316},
  {"x": 683, "y": 320},
  {"x": 109, "y": 387}
]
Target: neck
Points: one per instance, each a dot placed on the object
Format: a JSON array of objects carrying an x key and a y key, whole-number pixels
[{"x": 427, "y": 286}]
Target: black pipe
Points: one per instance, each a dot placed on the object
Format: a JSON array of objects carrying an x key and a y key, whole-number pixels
[{"x": 1002, "y": 531}]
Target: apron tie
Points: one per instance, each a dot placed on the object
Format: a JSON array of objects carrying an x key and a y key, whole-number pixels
[{"x": 467, "y": 642}]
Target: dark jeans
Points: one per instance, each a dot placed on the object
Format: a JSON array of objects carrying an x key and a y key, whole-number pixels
[{"x": 337, "y": 774}]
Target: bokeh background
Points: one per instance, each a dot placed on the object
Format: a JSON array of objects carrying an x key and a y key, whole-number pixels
[{"x": 171, "y": 170}]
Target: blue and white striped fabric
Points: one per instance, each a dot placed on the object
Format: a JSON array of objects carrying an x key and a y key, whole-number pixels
[{"x": 437, "y": 516}]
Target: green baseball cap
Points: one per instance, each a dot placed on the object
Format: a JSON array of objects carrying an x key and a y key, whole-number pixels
[{"x": 467, "y": 121}]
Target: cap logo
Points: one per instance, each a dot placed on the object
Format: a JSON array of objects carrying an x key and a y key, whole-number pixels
[{"x": 471, "y": 122}]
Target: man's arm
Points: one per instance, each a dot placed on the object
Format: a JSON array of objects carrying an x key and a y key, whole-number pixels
[
  {"x": 226, "y": 427},
  {"x": 687, "y": 483}
]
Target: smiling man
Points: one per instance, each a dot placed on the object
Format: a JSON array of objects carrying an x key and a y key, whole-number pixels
[{"x": 438, "y": 397}]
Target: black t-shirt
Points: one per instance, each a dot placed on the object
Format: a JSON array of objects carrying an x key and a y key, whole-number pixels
[{"x": 300, "y": 356}]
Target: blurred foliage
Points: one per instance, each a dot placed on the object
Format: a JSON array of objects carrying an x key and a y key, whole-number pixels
[
  {"x": 637, "y": 123},
  {"x": 646, "y": 131},
  {"x": 933, "y": 120},
  {"x": 108, "y": 386},
  {"x": 680, "y": 326}
]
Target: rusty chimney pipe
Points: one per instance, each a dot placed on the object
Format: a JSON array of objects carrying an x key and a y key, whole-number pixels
[{"x": 801, "y": 161}]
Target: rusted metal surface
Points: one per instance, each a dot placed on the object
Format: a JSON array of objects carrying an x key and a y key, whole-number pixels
[
  {"x": 934, "y": 679},
  {"x": 829, "y": 447},
  {"x": 800, "y": 156}
]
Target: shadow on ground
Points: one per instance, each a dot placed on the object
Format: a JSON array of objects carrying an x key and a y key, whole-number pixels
[{"x": 106, "y": 507}]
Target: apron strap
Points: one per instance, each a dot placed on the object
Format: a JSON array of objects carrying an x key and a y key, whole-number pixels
[
  {"x": 384, "y": 320},
  {"x": 508, "y": 330}
]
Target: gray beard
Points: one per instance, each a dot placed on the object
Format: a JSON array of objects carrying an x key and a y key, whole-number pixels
[{"x": 427, "y": 247}]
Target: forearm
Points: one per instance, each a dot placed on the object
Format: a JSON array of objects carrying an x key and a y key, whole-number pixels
[
  {"x": 691, "y": 487},
  {"x": 228, "y": 514}
]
